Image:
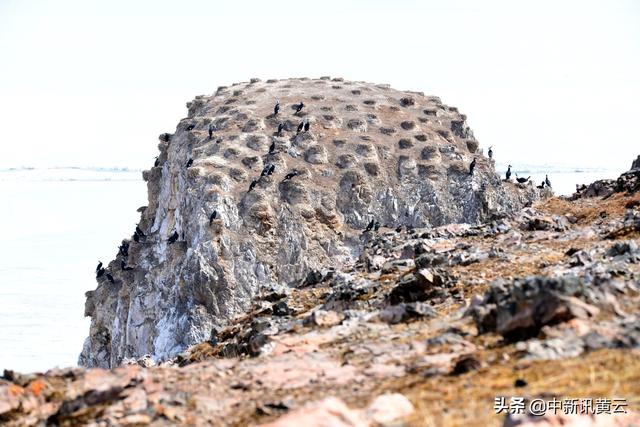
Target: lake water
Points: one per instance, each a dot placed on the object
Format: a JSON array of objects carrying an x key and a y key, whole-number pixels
[{"x": 57, "y": 224}]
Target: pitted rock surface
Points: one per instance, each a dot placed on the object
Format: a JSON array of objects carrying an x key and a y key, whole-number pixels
[{"x": 371, "y": 153}]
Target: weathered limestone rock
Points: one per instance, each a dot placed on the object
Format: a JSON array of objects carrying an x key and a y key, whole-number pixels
[{"x": 362, "y": 159}]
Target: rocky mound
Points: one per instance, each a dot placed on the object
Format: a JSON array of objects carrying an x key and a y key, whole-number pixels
[{"x": 243, "y": 199}]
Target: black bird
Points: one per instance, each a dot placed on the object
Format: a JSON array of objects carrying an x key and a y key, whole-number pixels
[
  {"x": 490, "y": 153},
  {"x": 272, "y": 169},
  {"x": 136, "y": 237},
  {"x": 300, "y": 127},
  {"x": 189, "y": 163},
  {"x": 99, "y": 266},
  {"x": 252, "y": 185},
  {"x": 299, "y": 107},
  {"x": 290, "y": 175},
  {"x": 213, "y": 216},
  {"x": 140, "y": 233},
  {"x": 399, "y": 229},
  {"x": 280, "y": 128},
  {"x": 508, "y": 174},
  {"x": 546, "y": 180},
  {"x": 541, "y": 185},
  {"x": 522, "y": 180},
  {"x": 370, "y": 226},
  {"x": 265, "y": 171},
  {"x": 376, "y": 226},
  {"x": 276, "y": 109},
  {"x": 272, "y": 147},
  {"x": 306, "y": 126},
  {"x": 123, "y": 266},
  {"x": 123, "y": 249},
  {"x": 472, "y": 166},
  {"x": 173, "y": 237},
  {"x": 156, "y": 163},
  {"x": 99, "y": 273},
  {"x": 110, "y": 277},
  {"x": 212, "y": 128}
]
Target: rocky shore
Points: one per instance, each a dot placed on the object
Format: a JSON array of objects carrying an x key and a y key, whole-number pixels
[{"x": 426, "y": 320}]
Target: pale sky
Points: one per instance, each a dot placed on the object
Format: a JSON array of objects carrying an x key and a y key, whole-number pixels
[{"x": 93, "y": 83}]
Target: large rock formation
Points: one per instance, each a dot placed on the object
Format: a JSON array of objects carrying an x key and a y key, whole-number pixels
[{"x": 371, "y": 153}]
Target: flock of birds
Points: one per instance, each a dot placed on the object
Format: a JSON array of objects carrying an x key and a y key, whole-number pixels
[{"x": 268, "y": 170}]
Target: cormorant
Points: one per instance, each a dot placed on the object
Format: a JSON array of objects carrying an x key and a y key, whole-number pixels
[
  {"x": 370, "y": 226},
  {"x": 110, "y": 277},
  {"x": 490, "y": 153},
  {"x": 272, "y": 147},
  {"x": 272, "y": 169},
  {"x": 508, "y": 174},
  {"x": 156, "y": 163},
  {"x": 252, "y": 185},
  {"x": 306, "y": 126},
  {"x": 300, "y": 127},
  {"x": 212, "y": 128},
  {"x": 99, "y": 273},
  {"x": 123, "y": 266},
  {"x": 173, "y": 237},
  {"x": 213, "y": 216},
  {"x": 265, "y": 171},
  {"x": 136, "y": 237},
  {"x": 280, "y": 128},
  {"x": 299, "y": 107},
  {"x": 291, "y": 175},
  {"x": 123, "y": 249},
  {"x": 541, "y": 185},
  {"x": 522, "y": 180},
  {"x": 276, "y": 109},
  {"x": 376, "y": 226},
  {"x": 140, "y": 233},
  {"x": 99, "y": 266},
  {"x": 546, "y": 180},
  {"x": 472, "y": 166},
  {"x": 189, "y": 163}
]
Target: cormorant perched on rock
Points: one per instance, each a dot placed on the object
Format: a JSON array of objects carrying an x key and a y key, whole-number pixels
[
  {"x": 300, "y": 127},
  {"x": 173, "y": 237},
  {"x": 100, "y": 272},
  {"x": 272, "y": 147},
  {"x": 140, "y": 233},
  {"x": 306, "y": 126},
  {"x": 299, "y": 107},
  {"x": 376, "y": 226},
  {"x": 370, "y": 226},
  {"x": 522, "y": 180},
  {"x": 136, "y": 237},
  {"x": 546, "y": 180},
  {"x": 123, "y": 249},
  {"x": 156, "y": 163},
  {"x": 265, "y": 171},
  {"x": 189, "y": 163},
  {"x": 272, "y": 169},
  {"x": 123, "y": 266},
  {"x": 541, "y": 185},
  {"x": 276, "y": 109},
  {"x": 252, "y": 185},
  {"x": 110, "y": 277},
  {"x": 490, "y": 153},
  {"x": 99, "y": 266},
  {"x": 291, "y": 175},
  {"x": 280, "y": 128},
  {"x": 212, "y": 128},
  {"x": 213, "y": 216},
  {"x": 472, "y": 166},
  {"x": 508, "y": 174}
]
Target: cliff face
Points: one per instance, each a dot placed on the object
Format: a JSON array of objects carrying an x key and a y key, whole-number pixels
[{"x": 371, "y": 153}]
